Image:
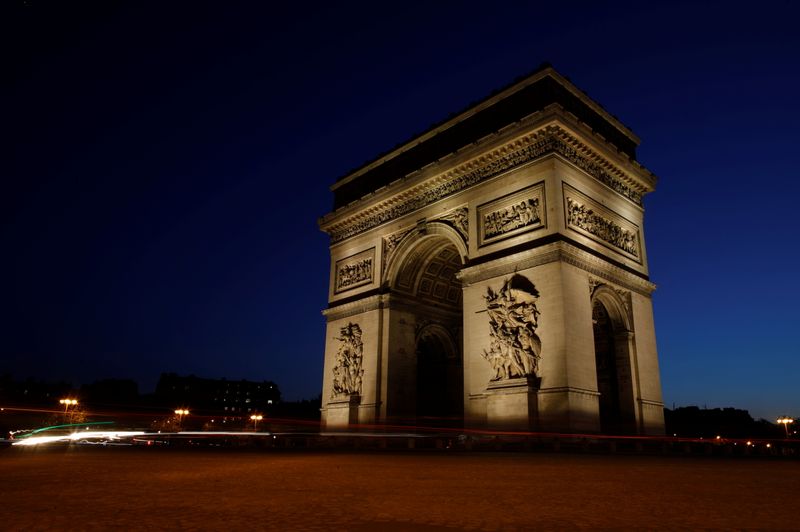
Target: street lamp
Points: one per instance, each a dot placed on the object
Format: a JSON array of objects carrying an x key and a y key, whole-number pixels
[
  {"x": 255, "y": 418},
  {"x": 180, "y": 413},
  {"x": 785, "y": 420},
  {"x": 67, "y": 403}
]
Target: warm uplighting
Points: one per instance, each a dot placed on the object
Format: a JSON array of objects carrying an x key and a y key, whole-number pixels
[{"x": 785, "y": 420}]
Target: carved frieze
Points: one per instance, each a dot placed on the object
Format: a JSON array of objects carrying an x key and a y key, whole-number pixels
[
  {"x": 355, "y": 271},
  {"x": 583, "y": 160},
  {"x": 347, "y": 371},
  {"x": 511, "y": 215},
  {"x": 551, "y": 139},
  {"x": 459, "y": 220},
  {"x": 515, "y": 348},
  {"x": 505, "y": 220},
  {"x": 601, "y": 224}
]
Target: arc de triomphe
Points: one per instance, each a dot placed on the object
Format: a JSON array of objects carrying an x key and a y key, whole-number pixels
[{"x": 492, "y": 272}]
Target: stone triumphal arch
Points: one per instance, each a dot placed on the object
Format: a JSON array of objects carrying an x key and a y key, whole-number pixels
[{"x": 492, "y": 272}]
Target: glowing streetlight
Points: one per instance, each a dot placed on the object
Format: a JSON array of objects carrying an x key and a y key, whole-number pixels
[
  {"x": 180, "y": 412},
  {"x": 68, "y": 402},
  {"x": 785, "y": 420},
  {"x": 255, "y": 418}
]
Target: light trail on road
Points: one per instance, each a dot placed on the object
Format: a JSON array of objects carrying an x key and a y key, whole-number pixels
[
  {"x": 100, "y": 436},
  {"x": 116, "y": 435}
]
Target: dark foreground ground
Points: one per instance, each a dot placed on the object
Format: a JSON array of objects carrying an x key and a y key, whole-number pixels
[{"x": 100, "y": 488}]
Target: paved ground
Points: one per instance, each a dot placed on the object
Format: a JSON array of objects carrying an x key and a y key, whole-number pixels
[{"x": 149, "y": 488}]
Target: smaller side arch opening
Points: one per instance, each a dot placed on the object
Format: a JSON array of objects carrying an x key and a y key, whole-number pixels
[{"x": 613, "y": 366}]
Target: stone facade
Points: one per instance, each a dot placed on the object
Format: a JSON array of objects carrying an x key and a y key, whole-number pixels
[{"x": 471, "y": 280}]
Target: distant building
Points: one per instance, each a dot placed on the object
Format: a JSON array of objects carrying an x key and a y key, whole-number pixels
[
  {"x": 218, "y": 397},
  {"x": 111, "y": 392},
  {"x": 692, "y": 421},
  {"x": 32, "y": 391}
]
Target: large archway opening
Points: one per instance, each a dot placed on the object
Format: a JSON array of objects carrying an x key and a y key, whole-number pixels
[
  {"x": 612, "y": 362},
  {"x": 426, "y": 282},
  {"x": 440, "y": 377}
]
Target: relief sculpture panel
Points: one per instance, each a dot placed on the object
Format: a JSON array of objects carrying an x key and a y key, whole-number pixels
[
  {"x": 347, "y": 372},
  {"x": 390, "y": 244},
  {"x": 512, "y": 215},
  {"x": 600, "y": 224},
  {"x": 355, "y": 271},
  {"x": 515, "y": 347},
  {"x": 518, "y": 215},
  {"x": 459, "y": 219}
]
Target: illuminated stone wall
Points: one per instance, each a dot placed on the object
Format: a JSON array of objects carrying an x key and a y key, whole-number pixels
[{"x": 543, "y": 198}]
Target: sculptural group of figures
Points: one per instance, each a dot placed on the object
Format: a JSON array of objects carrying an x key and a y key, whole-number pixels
[
  {"x": 460, "y": 220},
  {"x": 350, "y": 274},
  {"x": 513, "y": 317},
  {"x": 347, "y": 371},
  {"x": 514, "y": 217},
  {"x": 589, "y": 221}
]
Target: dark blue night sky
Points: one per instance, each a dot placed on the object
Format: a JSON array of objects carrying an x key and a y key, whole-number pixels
[{"x": 165, "y": 165}]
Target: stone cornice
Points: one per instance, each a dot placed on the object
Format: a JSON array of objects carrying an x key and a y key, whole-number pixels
[
  {"x": 569, "y": 389},
  {"x": 400, "y": 301},
  {"x": 381, "y": 301},
  {"x": 548, "y": 139},
  {"x": 556, "y": 251},
  {"x": 355, "y": 307}
]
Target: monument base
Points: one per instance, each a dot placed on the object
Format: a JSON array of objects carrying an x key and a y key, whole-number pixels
[
  {"x": 512, "y": 404},
  {"x": 342, "y": 412}
]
